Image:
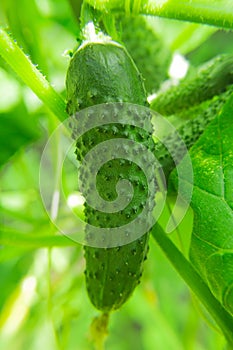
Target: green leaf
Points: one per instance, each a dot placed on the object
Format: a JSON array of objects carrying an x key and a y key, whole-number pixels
[
  {"x": 17, "y": 131},
  {"x": 211, "y": 249},
  {"x": 194, "y": 281},
  {"x": 191, "y": 37}
]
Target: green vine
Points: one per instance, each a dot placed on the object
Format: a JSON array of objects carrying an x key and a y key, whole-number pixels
[{"x": 216, "y": 13}]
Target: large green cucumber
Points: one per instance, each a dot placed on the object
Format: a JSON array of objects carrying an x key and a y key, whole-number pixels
[{"x": 102, "y": 72}]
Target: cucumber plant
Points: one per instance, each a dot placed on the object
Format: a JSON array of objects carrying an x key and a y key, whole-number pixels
[
  {"x": 92, "y": 80},
  {"x": 115, "y": 70}
]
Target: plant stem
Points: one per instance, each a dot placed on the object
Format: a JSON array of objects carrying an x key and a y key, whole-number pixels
[
  {"x": 30, "y": 75},
  {"x": 195, "y": 282},
  {"x": 29, "y": 240},
  {"x": 215, "y": 12},
  {"x": 76, "y": 8}
]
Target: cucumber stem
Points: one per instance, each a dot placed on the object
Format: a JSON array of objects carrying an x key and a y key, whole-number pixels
[
  {"x": 215, "y": 13},
  {"x": 30, "y": 75}
]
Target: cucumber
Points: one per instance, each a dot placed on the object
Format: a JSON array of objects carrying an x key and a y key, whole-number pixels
[
  {"x": 211, "y": 80},
  {"x": 148, "y": 51},
  {"x": 103, "y": 72},
  {"x": 190, "y": 130}
]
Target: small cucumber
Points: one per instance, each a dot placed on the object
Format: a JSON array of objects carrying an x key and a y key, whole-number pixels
[
  {"x": 190, "y": 130},
  {"x": 148, "y": 51},
  {"x": 211, "y": 80},
  {"x": 102, "y": 72}
]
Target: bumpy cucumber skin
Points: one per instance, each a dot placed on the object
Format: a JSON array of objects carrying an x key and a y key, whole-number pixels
[
  {"x": 113, "y": 273},
  {"x": 100, "y": 73},
  {"x": 148, "y": 51},
  {"x": 212, "y": 80},
  {"x": 107, "y": 74},
  {"x": 190, "y": 130}
]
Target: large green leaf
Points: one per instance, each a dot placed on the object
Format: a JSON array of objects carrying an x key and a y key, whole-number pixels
[{"x": 211, "y": 249}]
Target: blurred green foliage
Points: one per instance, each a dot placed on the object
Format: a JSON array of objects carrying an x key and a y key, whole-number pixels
[{"x": 43, "y": 301}]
